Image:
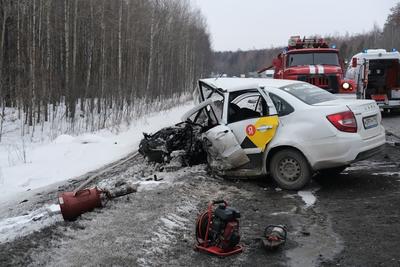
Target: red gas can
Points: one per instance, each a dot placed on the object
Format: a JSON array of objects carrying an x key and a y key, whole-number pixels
[{"x": 74, "y": 204}]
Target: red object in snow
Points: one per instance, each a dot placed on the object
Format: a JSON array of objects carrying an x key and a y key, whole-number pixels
[
  {"x": 74, "y": 204},
  {"x": 217, "y": 231}
]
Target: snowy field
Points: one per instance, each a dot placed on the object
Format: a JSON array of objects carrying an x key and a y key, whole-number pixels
[{"x": 38, "y": 160}]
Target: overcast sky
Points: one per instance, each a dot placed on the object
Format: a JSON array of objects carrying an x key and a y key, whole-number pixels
[{"x": 257, "y": 24}]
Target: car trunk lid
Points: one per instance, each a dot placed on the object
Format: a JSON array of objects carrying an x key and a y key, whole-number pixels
[{"x": 366, "y": 112}]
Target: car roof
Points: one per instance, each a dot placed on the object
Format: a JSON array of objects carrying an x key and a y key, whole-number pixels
[{"x": 237, "y": 84}]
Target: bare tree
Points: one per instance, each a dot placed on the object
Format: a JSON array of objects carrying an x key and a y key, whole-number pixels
[{"x": 104, "y": 55}]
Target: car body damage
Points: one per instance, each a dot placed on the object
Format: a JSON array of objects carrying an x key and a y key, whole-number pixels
[
  {"x": 238, "y": 125},
  {"x": 223, "y": 150},
  {"x": 288, "y": 129},
  {"x": 182, "y": 141}
]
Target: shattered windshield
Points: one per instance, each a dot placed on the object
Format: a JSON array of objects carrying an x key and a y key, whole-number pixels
[
  {"x": 313, "y": 59},
  {"x": 308, "y": 93}
]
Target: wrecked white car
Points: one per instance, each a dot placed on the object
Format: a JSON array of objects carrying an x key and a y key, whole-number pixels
[{"x": 285, "y": 128}]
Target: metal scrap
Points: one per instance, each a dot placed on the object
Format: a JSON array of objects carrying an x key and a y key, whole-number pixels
[{"x": 179, "y": 146}]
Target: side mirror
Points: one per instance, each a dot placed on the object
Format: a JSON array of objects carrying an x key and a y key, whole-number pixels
[{"x": 354, "y": 62}]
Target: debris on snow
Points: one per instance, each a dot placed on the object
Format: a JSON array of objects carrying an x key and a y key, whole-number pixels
[
  {"x": 121, "y": 190},
  {"x": 308, "y": 198}
]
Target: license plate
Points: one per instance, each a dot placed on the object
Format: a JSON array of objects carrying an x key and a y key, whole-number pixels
[{"x": 370, "y": 122}]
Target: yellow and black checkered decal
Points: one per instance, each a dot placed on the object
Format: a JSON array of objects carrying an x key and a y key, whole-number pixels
[{"x": 259, "y": 134}]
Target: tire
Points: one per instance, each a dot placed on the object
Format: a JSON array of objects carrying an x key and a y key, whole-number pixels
[
  {"x": 332, "y": 171},
  {"x": 290, "y": 169}
]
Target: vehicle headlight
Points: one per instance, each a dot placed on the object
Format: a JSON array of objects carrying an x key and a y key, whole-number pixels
[{"x": 346, "y": 85}]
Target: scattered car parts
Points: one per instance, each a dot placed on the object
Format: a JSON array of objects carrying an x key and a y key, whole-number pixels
[{"x": 169, "y": 143}]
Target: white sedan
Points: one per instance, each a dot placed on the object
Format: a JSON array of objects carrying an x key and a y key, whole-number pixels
[{"x": 285, "y": 128}]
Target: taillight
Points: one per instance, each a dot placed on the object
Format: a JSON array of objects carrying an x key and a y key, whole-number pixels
[{"x": 344, "y": 121}]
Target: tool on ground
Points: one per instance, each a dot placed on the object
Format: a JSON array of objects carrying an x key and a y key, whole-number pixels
[
  {"x": 73, "y": 204},
  {"x": 274, "y": 236},
  {"x": 217, "y": 230}
]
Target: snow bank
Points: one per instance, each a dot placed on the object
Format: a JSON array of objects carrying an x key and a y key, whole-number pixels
[
  {"x": 36, "y": 220},
  {"x": 68, "y": 156}
]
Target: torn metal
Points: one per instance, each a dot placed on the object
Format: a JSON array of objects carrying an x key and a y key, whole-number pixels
[
  {"x": 180, "y": 145},
  {"x": 223, "y": 151}
]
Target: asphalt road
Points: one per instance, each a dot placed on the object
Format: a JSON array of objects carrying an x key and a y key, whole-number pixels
[{"x": 355, "y": 220}]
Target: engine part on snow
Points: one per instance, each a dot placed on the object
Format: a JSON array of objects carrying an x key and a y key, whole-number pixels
[
  {"x": 74, "y": 204},
  {"x": 184, "y": 136},
  {"x": 159, "y": 179},
  {"x": 121, "y": 190},
  {"x": 154, "y": 177},
  {"x": 274, "y": 236},
  {"x": 176, "y": 162},
  {"x": 217, "y": 230}
]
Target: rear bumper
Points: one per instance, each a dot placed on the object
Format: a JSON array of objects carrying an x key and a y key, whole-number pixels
[
  {"x": 340, "y": 151},
  {"x": 369, "y": 153}
]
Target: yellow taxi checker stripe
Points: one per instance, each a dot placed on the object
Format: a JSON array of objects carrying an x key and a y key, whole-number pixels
[{"x": 265, "y": 131}]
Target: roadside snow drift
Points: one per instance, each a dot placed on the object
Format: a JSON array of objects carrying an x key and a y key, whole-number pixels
[
  {"x": 11, "y": 228},
  {"x": 68, "y": 156}
]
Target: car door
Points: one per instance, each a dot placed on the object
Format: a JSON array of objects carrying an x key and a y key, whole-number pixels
[
  {"x": 223, "y": 150},
  {"x": 205, "y": 91},
  {"x": 253, "y": 119}
]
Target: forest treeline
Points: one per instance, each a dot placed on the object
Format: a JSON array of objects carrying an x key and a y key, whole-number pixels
[
  {"x": 97, "y": 55},
  {"x": 243, "y": 62}
]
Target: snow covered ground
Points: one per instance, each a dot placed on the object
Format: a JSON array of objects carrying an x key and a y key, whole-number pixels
[
  {"x": 12, "y": 228},
  {"x": 308, "y": 197},
  {"x": 30, "y": 165}
]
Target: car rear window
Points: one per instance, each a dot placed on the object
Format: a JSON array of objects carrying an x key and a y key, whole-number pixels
[{"x": 308, "y": 93}]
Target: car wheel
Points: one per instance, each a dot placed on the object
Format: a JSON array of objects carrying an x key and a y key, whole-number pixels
[
  {"x": 290, "y": 169},
  {"x": 332, "y": 171}
]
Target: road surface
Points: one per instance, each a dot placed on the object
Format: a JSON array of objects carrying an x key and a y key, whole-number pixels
[{"x": 352, "y": 219}]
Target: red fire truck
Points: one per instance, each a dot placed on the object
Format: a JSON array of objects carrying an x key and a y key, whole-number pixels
[{"x": 312, "y": 61}]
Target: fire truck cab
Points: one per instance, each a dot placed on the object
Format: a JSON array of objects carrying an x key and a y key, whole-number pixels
[
  {"x": 312, "y": 61},
  {"x": 377, "y": 76}
]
